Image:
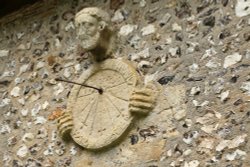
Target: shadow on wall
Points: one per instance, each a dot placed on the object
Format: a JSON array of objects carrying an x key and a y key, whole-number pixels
[{"x": 9, "y": 6}]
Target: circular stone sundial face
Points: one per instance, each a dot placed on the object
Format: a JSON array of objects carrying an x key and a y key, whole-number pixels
[{"x": 100, "y": 119}]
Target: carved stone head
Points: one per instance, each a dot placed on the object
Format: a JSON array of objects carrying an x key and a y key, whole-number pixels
[{"x": 93, "y": 31}]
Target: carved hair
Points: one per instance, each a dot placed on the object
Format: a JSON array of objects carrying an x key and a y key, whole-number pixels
[{"x": 95, "y": 12}]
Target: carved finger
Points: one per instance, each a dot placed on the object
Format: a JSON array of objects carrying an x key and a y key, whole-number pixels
[
  {"x": 63, "y": 118},
  {"x": 65, "y": 125},
  {"x": 142, "y": 98},
  {"x": 138, "y": 110},
  {"x": 144, "y": 91},
  {"x": 142, "y": 105}
]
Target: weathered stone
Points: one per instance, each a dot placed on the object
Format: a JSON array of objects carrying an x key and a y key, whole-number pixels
[
  {"x": 176, "y": 27},
  {"x": 189, "y": 137},
  {"x": 118, "y": 16},
  {"x": 166, "y": 79},
  {"x": 232, "y": 59},
  {"x": 238, "y": 154},
  {"x": 40, "y": 120},
  {"x": 58, "y": 89},
  {"x": 180, "y": 114},
  {"x": 213, "y": 63},
  {"x": 209, "y": 21},
  {"x": 22, "y": 151},
  {"x": 4, "y": 53},
  {"x": 127, "y": 29},
  {"x": 15, "y": 92},
  {"x": 195, "y": 91},
  {"x": 206, "y": 32},
  {"x": 24, "y": 112},
  {"x": 150, "y": 29},
  {"x": 69, "y": 26},
  {"x": 194, "y": 163},
  {"x": 36, "y": 109},
  {"x": 242, "y": 8},
  {"x": 27, "y": 137},
  {"x": 142, "y": 54},
  {"x": 246, "y": 87},
  {"x": 224, "y": 96},
  {"x": 164, "y": 20},
  {"x": 234, "y": 143}
]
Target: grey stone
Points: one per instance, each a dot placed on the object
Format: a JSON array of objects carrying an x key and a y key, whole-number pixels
[
  {"x": 127, "y": 29},
  {"x": 22, "y": 151},
  {"x": 242, "y": 8},
  {"x": 15, "y": 92},
  {"x": 4, "y": 53},
  {"x": 149, "y": 29},
  {"x": 232, "y": 59}
]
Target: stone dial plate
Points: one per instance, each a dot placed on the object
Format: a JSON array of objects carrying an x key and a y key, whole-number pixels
[{"x": 100, "y": 119}]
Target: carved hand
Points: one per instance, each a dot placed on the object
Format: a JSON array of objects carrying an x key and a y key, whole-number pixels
[
  {"x": 65, "y": 125},
  {"x": 142, "y": 100}
]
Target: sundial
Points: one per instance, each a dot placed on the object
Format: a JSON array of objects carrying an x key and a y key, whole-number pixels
[
  {"x": 107, "y": 96},
  {"x": 102, "y": 116}
]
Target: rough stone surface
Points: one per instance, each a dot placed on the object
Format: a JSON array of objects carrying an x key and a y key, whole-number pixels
[{"x": 205, "y": 33}]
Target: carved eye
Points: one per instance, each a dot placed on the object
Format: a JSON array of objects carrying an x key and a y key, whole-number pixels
[{"x": 83, "y": 23}]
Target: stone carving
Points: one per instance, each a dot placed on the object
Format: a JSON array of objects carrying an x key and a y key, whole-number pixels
[{"x": 97, "y": 119}]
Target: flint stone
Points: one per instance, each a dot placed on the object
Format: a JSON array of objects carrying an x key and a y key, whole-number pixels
[
  {"x": 150, "y": 29},
  {"x": 40, "y": 120},
  {"x": 176, "y": 27},
  {"x": 142, "y": 54},
  {"x": 5, "y": 102},
  {"x": 67, "y": 73},
  {"x": 180, "y": 114},
  {"x": 40, "y": 65},
  {"x": 24, "y": 68},
  {"x": 207, "y": 143},
  {"x": 242, "y": 8},
  {"x": 134, "y": 40},
  {"x": 127, "y": 29},
  {"x": 194, "y": 163},
  {"x": 24, "y": 112},
  {"x": 236, "y": 155},
  {"x": 36, "y": 109},
  {"x": 27, "y": 137},
  {"x": 224, "y": 95},
  {"x": 213, "y": 64},
  {"x": 166, "y": 79},
  {"x": 144, "y": 64},
  {"x": 246, "y": 87},
  {"x": 143, "y": 3},
  {"x": 118, "y": 17},
  {"x": 165, "y": 18},
  {"x": 195, "y": 90},
  {"x": 232, "y": 59},
  {"x": 194, "y": 68},
  {"x": 73, "y": 150},
  {"x": 21, "y": 101},
  {"x": 4, "y": 129},
  {"x": 236, "y": 142},
  {"x": 58, "y": 89},
  {"x": 20, "y": 35},
  {"x": 22, "y": 151},
  {"x": 15, "y": 92},
  {"x": 69, "y": 26},
  {"x": 4, "y": 53}
]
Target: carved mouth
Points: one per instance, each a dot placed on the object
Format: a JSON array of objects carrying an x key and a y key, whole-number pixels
[{"x": 84, "y": 37}]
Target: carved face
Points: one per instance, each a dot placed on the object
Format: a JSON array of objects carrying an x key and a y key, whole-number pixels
[{"x": 87, "y": 31}]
